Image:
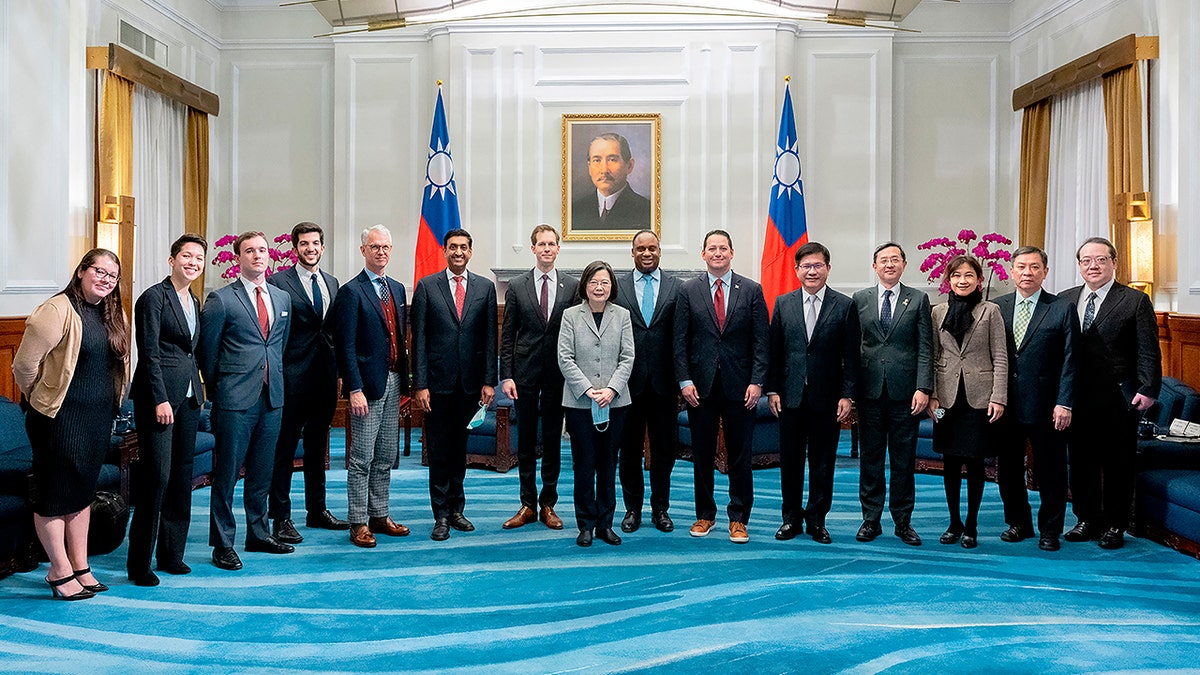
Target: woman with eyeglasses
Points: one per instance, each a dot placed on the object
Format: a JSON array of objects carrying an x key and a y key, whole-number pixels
[
  {"x": 595, "y": 354},
  {"x": 72, "y": 368}
]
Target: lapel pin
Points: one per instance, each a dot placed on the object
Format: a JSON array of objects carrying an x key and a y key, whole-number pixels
[{"x": 906, "y": 302}]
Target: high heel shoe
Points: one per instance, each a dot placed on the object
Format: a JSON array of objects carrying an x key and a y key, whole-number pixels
[
  {"x": 54, "y": 590},
  {"x": 94, "y": 588}
]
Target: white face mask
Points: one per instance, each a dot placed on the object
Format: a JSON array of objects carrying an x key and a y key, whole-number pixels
[
  {"x": 477, "y": 420},
  {"x": 599, "y": 417}
]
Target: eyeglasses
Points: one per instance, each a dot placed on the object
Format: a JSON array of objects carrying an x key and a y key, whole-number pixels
[
  {"x": 1099, "y": 260},
  {"x": 894, "y": 260},
  {"x": 811, "y": 267},
  {"x": 379, "y": 248},
  {"x": 599, "y": 283},
  {"x": 104, "y": 275}
]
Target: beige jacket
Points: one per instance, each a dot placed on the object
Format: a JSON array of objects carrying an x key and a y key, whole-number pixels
[
  {"x": 45, "y": 362},
  {"x": 981, "y": 362}
]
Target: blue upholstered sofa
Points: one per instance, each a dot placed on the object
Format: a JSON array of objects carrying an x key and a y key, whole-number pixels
[
  {"x": 493, "y": 444},
  {"x": 764, "y": 451},
  {"x": 1167, "y": 502}
]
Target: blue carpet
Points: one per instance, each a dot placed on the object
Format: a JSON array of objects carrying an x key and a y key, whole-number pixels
[{"x": 530, "y": 601}]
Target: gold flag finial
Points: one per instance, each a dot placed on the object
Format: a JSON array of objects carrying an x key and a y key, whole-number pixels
[
  {"x": 439, "y": 83},
  {"x": 787, "y": 78}
]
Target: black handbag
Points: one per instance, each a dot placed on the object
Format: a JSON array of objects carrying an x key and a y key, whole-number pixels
[{"x": 109, "y": 522}]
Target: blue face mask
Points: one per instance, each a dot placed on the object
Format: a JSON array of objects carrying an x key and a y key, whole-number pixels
[
  {"x": 477, "y": 420},
  {"x": 599, "y": 417}
]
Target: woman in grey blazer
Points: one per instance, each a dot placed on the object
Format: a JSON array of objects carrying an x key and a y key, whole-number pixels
[
  {"x": 595, "y": 355},
  {"x": 970, "y": 379}
]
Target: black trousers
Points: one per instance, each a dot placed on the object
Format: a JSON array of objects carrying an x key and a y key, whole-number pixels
[
  {"x": 1049, "y": 470},
  {"x": 539, "y": 407},
  {"x": 705, "y": 420},
  {"x": 654, "y": 415},
  {"x": 594, "y": 455},
  {"x": 1103, "y": 459},
  {"x": 306, "y": 418},
  {"x": 888, "y": 431},
  {"x": 244, "y": 438},
  {"x": 162, "y": 487},
  {"x": 446, "y": 424},
  {"x": 804, "y": 432}
]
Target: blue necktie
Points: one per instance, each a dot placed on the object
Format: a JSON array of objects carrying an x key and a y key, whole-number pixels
[
  {"x": 1089, "y": 312},
  {"x": 648, "y": 299},
  {"x": 318, "y": 301},
  {"x": 885, "y": 312}
]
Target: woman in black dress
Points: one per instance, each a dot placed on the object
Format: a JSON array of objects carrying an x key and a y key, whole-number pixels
[
  {"x": 72, "y": 367},
  {"x": 970, "y": 356}
]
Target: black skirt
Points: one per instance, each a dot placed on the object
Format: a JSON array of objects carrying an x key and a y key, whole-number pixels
[{"x": 964, "y": 431}]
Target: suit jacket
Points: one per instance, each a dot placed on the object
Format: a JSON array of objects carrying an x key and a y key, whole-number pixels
[
  {"x": 451, "y": 354},
  {"x": 308, "y": 358},
  {"x": 166, "y": 348},
  {"x": 232, "y": 352},
  {"x": 1041, "y": 372},
  {"x": 826, "y": 366},
  {"x": 739, "y": 352},
  {"x": 528, "y": 345},
  {"x": 361, "y": 339},
  {"x": 595, "y": 357},
  {"x": 1120, "y": 349},
  {"x": 981, "y": 363},
  {"x": 902, "y": 358},
  {"x": 631, "y": 211},
  {"x": 655, "y": 343}
]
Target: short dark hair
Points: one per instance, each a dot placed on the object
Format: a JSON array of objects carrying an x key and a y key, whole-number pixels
[
  {"x": 610, "y": 136},
  {"x": 241, "y": 239},
  {"x": 305, "y": 228},
  {"x": 960, "y": 260},
  {"x": 812, "y": 248},
  {"x": 540, "y": 229},
  {"x": 1030, "y": 250},
  {"x": 633, "y": 241},
  {"x": 714, "y": 233},
  {"x": 188, "y": 238},
  {"x": 458, "y": 232},
  {"x": 888, "y": 244},
  {"x": 1112, "y": 250},
  {"x": 589, "y": 272}
]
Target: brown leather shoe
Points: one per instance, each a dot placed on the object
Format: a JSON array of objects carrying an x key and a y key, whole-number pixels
[
  {"x": 550, "y": 518},
  {"x": 737, "y": 533},
  {"x": 524, "y": 516},
  {"x": 360, "y": 536},
  {"x": 386, "y": 525},
  {"x": 701, "y": 527}
]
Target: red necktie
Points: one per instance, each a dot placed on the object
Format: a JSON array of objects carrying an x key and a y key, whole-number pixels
[
  {"x": 264, "y": 319},
  {"x": 460, "y": 295},
  {"x": 719, "y": 305},
  {"x": 545, "y": 299}
]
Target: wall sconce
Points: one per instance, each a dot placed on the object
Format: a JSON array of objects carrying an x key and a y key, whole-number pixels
[
  {"x": 108, "y": 225},
  {"x": 1141, "y": 242}
]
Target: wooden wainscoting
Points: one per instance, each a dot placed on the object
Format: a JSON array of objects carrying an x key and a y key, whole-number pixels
[
  {"x": 1180, "y": 336},
  {"x": 11, "y": 330}
]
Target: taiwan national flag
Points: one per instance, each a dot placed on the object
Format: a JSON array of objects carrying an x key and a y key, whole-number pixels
[
  {"x": 786, "y": 226},
  {"x": 439, "y": 199}
]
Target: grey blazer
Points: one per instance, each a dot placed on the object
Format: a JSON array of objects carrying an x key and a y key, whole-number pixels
[
  {"x": 595, "y": 357},
  {"x": 981, "y": 363}
]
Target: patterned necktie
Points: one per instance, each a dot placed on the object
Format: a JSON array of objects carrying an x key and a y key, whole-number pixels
[
  {"x": 719, "y": 305},
  {"x": 810, "y": 317},
  {"x": 1024, "y": 311},
  {"x": 648, "y": 299},
  {"x": 544, "y": 301},
  {"x": 318, "y": 300},
  {"x": 384, "y": 294},
  {"x": 460, "y": 295},
  {"x": 1089, "y": 312},
  {"x": 264, "y": 319},
  {"x": 885, "y": 312}
]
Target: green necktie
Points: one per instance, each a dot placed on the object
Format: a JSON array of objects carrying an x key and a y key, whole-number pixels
[{"x": 1024, "y": 311}]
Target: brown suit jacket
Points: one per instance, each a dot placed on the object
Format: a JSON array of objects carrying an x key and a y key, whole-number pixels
[{"x": 981, "y": 363}]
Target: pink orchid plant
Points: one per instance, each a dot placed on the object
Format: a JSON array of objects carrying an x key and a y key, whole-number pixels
[
  {"x": 280, "y": 259},
  {"x": 992, "y": 260}
]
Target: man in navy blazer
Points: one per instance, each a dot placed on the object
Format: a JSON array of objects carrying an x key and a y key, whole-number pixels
[
  {"x": 1117, "y": 379},
  {"x": 649, "y": 295},
  {"x": 454, "y": 372},
  {"x": 309, "y": 387},
  {"x": 372, "y": 357},
  {"x": 721, "y": 357},
  {"x": 243, "y": 328},
  {"x": 1042, "y": 331},
  {"x": 815, "y": 341}
]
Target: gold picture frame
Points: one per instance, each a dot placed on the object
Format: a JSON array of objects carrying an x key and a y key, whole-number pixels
[{"x": 638, "y": 205}]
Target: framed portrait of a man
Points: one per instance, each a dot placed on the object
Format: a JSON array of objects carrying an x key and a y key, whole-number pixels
[{"x": 611, "y": 175}]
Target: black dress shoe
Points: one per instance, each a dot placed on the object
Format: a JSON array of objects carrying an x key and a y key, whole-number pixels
[
  {"x": 584, "y": 539},
  {"x": 632, "y": 521},
  {"x": 1083, "y": 531},
  {"x": 819, "y": 534},
  {"x": 146, "y": 578},
  {"x": 969, "y": 541},
  {"x": 786, "y": 531},
  {"x": 268, "y": 545},
  {"x": 285, "y": 530},
  {"x": 869, "y": 530},
  {"x": 908, "y": 535},
  {"x": 951, "y": 535},
  {"x": 441, "y": 530},
  {"x": 609, "y": 537},
  {"x": 1112, "y": 539},
  {"x": 178, "y": 567},
  {"x": 1049, "y": 542},
  {"x": 459, "y": 522},
  {"x": 1014, "y": 534},
  {"x": 662, "y": 521},
  {"x": 226, "y": 558},
  {"x": 325, "y": 521}
]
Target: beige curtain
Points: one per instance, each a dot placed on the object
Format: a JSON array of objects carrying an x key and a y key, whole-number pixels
[
  {"x": 195, "y": 182},
  {"x": 1035, "y": 173},
  {"x": 1123, "y": 119},
  {"x": 115, "y": 163}
]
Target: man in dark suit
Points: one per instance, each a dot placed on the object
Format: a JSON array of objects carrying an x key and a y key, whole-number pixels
[
  {"x": 649, "y": 295},
  {"x": 1042, "y": 331},
  {"x": 811, "y": 384},
  {"x": 369, "y": 315},
  {"x": 529, "y": 374},
  {"x": 309, "y": 387},
  {"x": 243, "y": 328},
  {"x": 614, "y": 205},
  {"x": 721, "y": 364},
  {"x": 896, "y": 380},
  {"x": 1118, "y": 375},
  {"x": 454, "y": 372}
]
